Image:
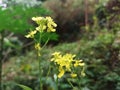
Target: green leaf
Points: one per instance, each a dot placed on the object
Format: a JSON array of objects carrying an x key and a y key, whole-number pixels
[{"x": 24, "y": 87}]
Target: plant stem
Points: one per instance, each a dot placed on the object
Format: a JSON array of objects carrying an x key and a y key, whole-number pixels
[
  {"x": 40, "y": 73},
  {"x": 40, "y": 67},
  {"x": 79, "y": 84},
  {"x": 1, "y": 57},
  {"x": 70, "y": 83},
  {"x": 57, "y": 83}
]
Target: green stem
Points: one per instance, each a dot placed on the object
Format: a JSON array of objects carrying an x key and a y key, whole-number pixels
[
  {"x": 49, "y": 69},
  {"x": 40, "y": 66},
  {"x": 40, "y": 73},
  {"x": 1, "y": 57},
  {"x": 45, "y": 43},
  {"x": 79, "y": 84},
  {"x": 57, "y": 83},
  {"x": 70, "y": 83},
  {"x": 39, "y": 61}
]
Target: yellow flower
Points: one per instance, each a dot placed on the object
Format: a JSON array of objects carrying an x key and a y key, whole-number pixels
[
  {"x": 73, "y": 75},
  {"x": 66, "y": 63},
  {"x": 83, "y": 74},
  {"x": 45, "y": 24},
  {"x": 56, "y": 53},
  {"x": 36, "y": 19},
  {"x": 50, "y": 21},
  {"x": 81, "y": 64},
  {"x": 50, "y": 24},
  {"x": 37, "y": 46},
  {"x": 41, "y": 28},
  {"x": 31, "y": 34},
  {"x": 61, "y": 72},
  {"x": 78, "y": 63}
]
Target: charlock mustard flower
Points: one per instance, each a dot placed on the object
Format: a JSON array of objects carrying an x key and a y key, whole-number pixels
[
  {"x": 37, "y": 18},
  {"x": 73, "y": 75},
  {"x": 50, "y": 24},
  {"x": 45, "y": 24},
  {"x": 62, "y": 71},
  {"x": 78, "y": 63},
  {"x": 31, "y": 34},
  {"x": 66, "y": 63},
  {"x": 37, "y": 46}
]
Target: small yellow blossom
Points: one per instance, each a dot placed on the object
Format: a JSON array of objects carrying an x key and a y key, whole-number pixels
[
  {"x": 45, "y": 24},
  {"x": 62, "y": 71},
  {"x": 73, "y": 75},
  {"x": 41, "y": 28},
  {"x": 56, "y": 53},
  {"x": 31, "y": 34},
  {"x": 78, "y": 63},
  {"x": 50, "y": 20},
  {"x": 37, "y": 46},
  {"x": 83, "y": 74},
  {"x": 50, "y": 24},
  {"x": 37, "y": 18}
]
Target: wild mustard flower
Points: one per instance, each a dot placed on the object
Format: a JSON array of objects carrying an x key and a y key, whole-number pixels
[
  {"x": 31, "y": 34},
  {"x": 73, "y": 75},
  {"x": 78, "y": 63},
  {"x": 37, "y": 19},
  {"x": 37, "y": 46},
  {"x": 50, "y": 24},
  {"x": 62, "y": 72},
  {"x": 66, "y": 63},
  {"x": 44, "y": 25},
  {"x": 82, "y": 72}
]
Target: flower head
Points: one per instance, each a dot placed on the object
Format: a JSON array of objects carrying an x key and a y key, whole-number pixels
[
  {"x": 73, "y": 75},
  {"x": 45, "y": 24},
  {"x": 31, "y": 34},
  {"x": 66, "y": 63},
  {"x": 36, "y": 19},
  {"x": 37, "y": 46}
]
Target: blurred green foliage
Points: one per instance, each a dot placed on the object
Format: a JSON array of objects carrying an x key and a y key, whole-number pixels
[{"x": 17, "y": 19}]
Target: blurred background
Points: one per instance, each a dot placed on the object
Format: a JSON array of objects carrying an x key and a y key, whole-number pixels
[{"x": 88, "y": 28}]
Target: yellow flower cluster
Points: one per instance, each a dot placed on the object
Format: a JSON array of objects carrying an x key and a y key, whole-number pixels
[
  {"x": 44, "y": 24},
  {"x": 66, "y": 63}
]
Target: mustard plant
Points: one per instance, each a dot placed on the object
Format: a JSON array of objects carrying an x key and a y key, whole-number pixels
[{"x": 45, "y": 24}]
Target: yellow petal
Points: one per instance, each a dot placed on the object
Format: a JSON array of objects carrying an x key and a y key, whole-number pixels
[
  {"x": 61, "y": 73},
  {"x": 73, "y": 75}
]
